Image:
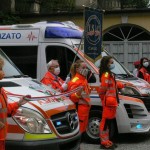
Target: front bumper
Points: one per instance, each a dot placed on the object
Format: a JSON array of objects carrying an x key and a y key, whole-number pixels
[
  {"x": 146, "y": 101},
  {"x": 132, "y": 117},
  {"x": 72, "y": 143}
]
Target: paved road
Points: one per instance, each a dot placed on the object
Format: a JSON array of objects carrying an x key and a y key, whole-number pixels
[{"x": 125, "y": 142}]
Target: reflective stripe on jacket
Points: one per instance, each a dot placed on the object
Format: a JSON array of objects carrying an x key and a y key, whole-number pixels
[
  {"x": 50, "y": 79},
  {"x": 77, "y": 81},
  {"x": 5, "y": 109},
  {"x": 107, "y": 90},
  {"x": 104, "y": 136}
]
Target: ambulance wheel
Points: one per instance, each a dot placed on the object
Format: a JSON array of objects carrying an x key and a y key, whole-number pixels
[{"x": 92, "y": 132}]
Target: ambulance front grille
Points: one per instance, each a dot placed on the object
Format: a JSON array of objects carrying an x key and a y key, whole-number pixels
[
  {"x": 135, "y": 111},
  {"x": 65, "y": 122}
]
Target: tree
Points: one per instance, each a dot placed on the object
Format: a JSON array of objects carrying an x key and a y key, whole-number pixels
[{"x": 5, "y": 6}]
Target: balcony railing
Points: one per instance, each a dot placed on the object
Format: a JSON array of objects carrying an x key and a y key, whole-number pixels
[
  {"x": 122, "y": 4},
  {"x": 57, "y": 6},
  {"x": 44, "y": 6}
]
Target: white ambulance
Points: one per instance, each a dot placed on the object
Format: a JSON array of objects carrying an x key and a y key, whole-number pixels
[
  {"x": 31, "y": 46},
  {"x": 48, "y": 121}
]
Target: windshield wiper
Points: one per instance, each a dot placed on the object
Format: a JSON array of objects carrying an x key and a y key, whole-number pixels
[
  {"x": 124, "y": 75},
  {"x": 16, "y": 76}
]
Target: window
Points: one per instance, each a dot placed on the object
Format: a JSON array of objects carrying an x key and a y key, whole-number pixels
[
  {"x": 65, "y": 57},
  {"x": 24, "y": 57}
]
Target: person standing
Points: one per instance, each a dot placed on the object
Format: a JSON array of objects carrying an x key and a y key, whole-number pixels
[
  {"x": 51, "y": 77},
  {"x": 109, "y": 99},
  {"x": 6, "y": 108},
  {"x": 81, "y": 98},
  {"x": 144, "y": 69}
]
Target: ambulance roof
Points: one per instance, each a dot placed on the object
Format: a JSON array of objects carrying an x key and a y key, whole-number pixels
[
  {"x": 62, "y": 30},
  {"x": 53, "y": 29}
]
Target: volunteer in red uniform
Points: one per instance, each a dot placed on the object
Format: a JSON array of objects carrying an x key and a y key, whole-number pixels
[
  {"x": 109, "y": 99},
  {"x": 6, "y": 109},
  {"x": 81, "y": 98},
  {"x": 51, "y": 77},
  {"x": 144, "y": 72}
]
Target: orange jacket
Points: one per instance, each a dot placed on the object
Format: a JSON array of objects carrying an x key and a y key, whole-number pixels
[
  {"x": 6, "y": 109},
  {"x": 145, "y": 73},
  {"x": 79, "y": 80},
  {"x": 55, "y": 82},
  {"x": 107, "y": 91}
]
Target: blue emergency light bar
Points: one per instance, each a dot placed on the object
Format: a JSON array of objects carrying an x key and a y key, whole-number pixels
[{"x": 62, "y": 32}]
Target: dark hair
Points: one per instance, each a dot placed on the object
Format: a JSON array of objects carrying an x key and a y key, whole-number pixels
[
  {"x": 104, "y": 65},
  {"x": 141, "y": 62},
  {"x": 74, "y": 67}
]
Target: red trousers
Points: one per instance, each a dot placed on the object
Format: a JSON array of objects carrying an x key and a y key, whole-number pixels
[
  {"x": 83, "y": 113},
  {"x": 108, "y": 114},
  {"x": 2, "y": 145}
]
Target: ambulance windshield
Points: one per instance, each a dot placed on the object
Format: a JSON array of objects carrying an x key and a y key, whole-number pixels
[
  {"x": 9, "y": 68},
  {"x": 118, "y": 70}
]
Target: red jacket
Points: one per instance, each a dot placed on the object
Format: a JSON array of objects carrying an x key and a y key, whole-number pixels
[
  {"x": 79, "y": 80},
  {"x": 55, "y": 81},
  {"x": 107, "y": 91},
  {"x": 145, "y": 74},
  {"x": 6, "y": 109}
]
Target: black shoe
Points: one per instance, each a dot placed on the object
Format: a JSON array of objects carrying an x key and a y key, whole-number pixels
[{"x": 110, "y": 147}]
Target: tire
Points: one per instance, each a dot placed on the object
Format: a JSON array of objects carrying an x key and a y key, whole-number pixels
[{"x": 92, "y": 132}]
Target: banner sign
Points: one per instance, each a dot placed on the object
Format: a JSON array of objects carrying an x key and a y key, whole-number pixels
[{"x": 93, "y": 34}]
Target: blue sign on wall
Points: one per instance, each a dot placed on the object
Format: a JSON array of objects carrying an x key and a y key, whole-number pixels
[{"x": 93, "y": 34}]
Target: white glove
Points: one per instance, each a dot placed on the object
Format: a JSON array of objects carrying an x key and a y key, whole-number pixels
[
  {"x": 64, "y": 86},
  {"x": 67, "y": 79},
  {"x": 23, "y": 100}
]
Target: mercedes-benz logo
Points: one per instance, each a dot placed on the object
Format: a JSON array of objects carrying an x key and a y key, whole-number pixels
[{"x": 71, "y": 121}]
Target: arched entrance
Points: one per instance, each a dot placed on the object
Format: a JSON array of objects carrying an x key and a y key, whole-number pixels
[{"x": 128, "y": 43}]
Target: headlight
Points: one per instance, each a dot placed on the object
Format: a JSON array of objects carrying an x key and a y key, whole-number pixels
[
  {"x": 31, "y": 121},
  {"x": 129, "y": 91}
]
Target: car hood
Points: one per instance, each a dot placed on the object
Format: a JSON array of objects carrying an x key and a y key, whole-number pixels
[
  {"x": 40, "y": 102},
  {"x": 136, "y": 82}
]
